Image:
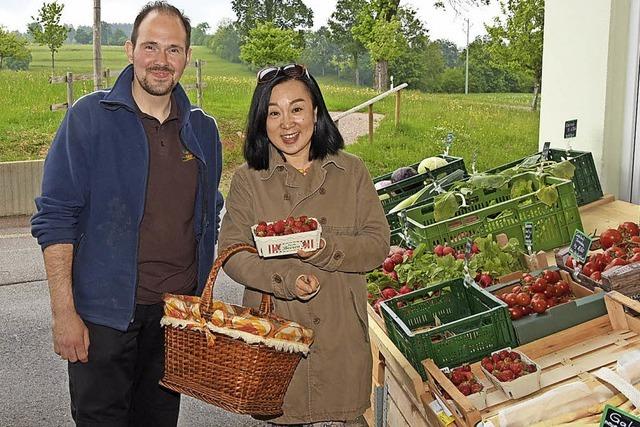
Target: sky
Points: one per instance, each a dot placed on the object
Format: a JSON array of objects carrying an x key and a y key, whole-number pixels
[{"x": 16, "y": 14}]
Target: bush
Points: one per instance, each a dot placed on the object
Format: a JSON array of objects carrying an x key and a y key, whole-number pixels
[{"x": 18, "y": 63}]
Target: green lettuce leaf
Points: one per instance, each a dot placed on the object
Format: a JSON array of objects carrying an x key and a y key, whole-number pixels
[
  {"x": 564, "y": 170},
  {"x": 446, "y": 205},
  {"x": 548, "y": 195}
]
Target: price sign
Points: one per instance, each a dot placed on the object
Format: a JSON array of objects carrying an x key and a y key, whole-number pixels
[
  {"x": 545, "y": 150},
  {"x": 614, "y": 417},
  {"x": 579, "y": 249},
  {"x": 570, "y": 128},
  {"x": 528, "y": 235}
]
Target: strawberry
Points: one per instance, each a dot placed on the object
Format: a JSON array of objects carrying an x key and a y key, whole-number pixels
[
  {"x": 312, "y": 224},
  {"x": 465, "y": 389},
  {"x": 303, "y": 218},
  {"x": 278, "y": 227},
  {"x": 476, "y": 388}
]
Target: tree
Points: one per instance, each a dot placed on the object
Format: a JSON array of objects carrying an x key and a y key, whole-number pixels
[
  {"x": 106, "y": 33},
  {"x": 378, "y": 29},
  {"x": 225, "y": 42},
  {"x": 318, "y": 50},
  {"x": 83, "y": 36},
  {"x": 199, "y": 35},
  {"x": 49, "y": 32},
  {"x": 71, "y": 33},
  {"x": 269, "y": 45},
  {"x": 518, "y": 40},
  {"x": 13, "y": 47},
  {"x": 342, "y": 20},
  {"x": 284, "y": 14},
  {"x": 449, "y": 51},
  {"x": 119, "y": 37}
]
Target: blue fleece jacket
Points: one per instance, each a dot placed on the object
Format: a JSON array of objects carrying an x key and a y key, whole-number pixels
[{"x": 93, "y": 195}]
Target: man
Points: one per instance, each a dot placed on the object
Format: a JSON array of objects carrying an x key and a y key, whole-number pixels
[{"x": 129, "y": 210}]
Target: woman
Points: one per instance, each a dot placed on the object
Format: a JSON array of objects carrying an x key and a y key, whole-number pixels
[{"x": 295, "y": 166}]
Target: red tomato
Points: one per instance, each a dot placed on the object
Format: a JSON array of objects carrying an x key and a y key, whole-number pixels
[
  {"x": 563, "y": 287},
  {"x": 539, "y": 305},
  {"x": 516, "y": 289},
  {"x": 597, "y": 276},
  {"x": 629, "y": 228},
  {"x": 523, "y": 299},
  {"x": 616, "y": 252},
  {"x": 515, "y": 313},
  {"x": 610, "y": 237},
  {"x": 569, "y": 262},
  {"x": 510, "y": 299},
  {"x": 588, "y": 269},
  {"x": 551, "y": 276},
  {"x": 539, "y": 285}
]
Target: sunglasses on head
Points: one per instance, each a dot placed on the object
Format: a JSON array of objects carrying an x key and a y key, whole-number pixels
[{"x": 292, "y": 70}]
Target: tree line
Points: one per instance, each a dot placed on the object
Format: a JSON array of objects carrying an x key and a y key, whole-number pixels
[{"x": 368, "y": 41}]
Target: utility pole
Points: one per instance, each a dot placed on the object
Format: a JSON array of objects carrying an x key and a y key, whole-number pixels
[
  {"x": 97, "y": 49},
  {"x": 466, "y": 74}
]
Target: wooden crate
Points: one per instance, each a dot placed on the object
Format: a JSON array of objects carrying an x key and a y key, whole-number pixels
[{"x": 564, "y": 357}]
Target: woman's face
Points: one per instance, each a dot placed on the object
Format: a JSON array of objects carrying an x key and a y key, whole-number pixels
[{"x": 290, "y": 121}]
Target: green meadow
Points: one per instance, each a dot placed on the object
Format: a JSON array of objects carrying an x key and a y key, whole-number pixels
[{"x": 497, "y": 127}]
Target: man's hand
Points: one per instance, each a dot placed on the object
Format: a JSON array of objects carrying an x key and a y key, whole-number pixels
[
  {"x": 70, "y": 334},
  {"x": 306, "y": 286},
  {"x": 70, "y": 337}
]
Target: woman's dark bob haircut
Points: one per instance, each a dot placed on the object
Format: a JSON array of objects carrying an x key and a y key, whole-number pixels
[{"x": 326, "y": 138}]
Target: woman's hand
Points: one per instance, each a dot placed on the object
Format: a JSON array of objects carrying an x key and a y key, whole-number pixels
[
  {"x": 305, "y": 254},
  {"x": 306, "y": 286}
]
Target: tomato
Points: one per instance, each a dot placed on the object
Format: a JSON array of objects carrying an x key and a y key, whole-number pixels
[
  {"x": 551, "y": 276},
  {"x": 550, "y": 292},
  {"x": 610, "y": 237},
  {"x": 528, "y": 279},
  {"x": 629, "y": 228},
  {"x": 615, "y": 263},
  {"x": 635, "y": 258},
  {"x": 516, "y": 289},
  {"x": 616, "y": 252},
  {"x": 551, "y": 302},
  {"x": 563, "y": 288},
  {"x": 597, "y": 276},
  {"x": 635, "y": 239},
  {"x": 569, "y": 262},
  {"x": 537, "y": 295},
  {"x": 588, "y": 269},
  {"x": 539, "y": 305},
  {"x": 539, "y": 285},
  {"x": 526, "y": 310},
  {"x": 523, "y": 299},
  {"x": 515, "y": 313},
  {"x": 510, "y": 299}
]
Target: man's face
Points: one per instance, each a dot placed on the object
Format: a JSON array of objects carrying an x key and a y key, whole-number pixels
[{"x": 160, "y": 54}]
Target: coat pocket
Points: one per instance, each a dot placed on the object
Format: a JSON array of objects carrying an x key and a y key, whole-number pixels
[{"x": 362, "y": 317}]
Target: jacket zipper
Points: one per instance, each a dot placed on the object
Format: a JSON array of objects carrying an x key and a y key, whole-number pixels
[{"x": 140, "y": 217}]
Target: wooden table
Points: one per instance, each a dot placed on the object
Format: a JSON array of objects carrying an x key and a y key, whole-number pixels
[{"x": 399, "y": 395}]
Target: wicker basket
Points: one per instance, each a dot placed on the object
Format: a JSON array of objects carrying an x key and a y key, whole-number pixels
[{"x": 227, "y": 372}]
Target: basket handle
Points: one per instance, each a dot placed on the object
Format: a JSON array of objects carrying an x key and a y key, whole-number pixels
[{"x": 223, "y": 256}]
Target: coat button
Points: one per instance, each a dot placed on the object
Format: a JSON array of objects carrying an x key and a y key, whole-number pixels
[
  {"x": 286, "y": 196},
  {"x": 277, "y": 278},
  {"x": 316, "y": 321},
  {"x": 322, "y": 190},
  {"x": 323, "y": 220}
]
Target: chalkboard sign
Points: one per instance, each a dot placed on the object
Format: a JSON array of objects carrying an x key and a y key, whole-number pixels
[
  {"x": 614, "y": 417},
  {"x": 545, "y": 150},
  {"x": 570, "y": 128},
  {"x": 528, "y": 234},
  {"x": 579, "y": 248}
]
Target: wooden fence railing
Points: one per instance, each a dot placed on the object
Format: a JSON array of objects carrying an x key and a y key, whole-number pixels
[
  {"x": 70, "y": 78},
  {"x": 370, "y": 103}
]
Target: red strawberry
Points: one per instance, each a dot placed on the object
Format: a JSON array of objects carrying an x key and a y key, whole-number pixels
[
  {"x": 476, "y": 388},
  {"x": 465, "y": 389},
  {"x": 303, "y": 218},
  {"x": 312, "y": 224},
  {"x": 278, "y": 227}
]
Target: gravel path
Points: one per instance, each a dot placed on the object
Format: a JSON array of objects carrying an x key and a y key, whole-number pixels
[{"x": 355, "y": 125}]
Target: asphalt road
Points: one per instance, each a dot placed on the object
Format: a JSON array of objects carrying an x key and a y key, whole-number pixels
[{"x": 34, "y": 390}]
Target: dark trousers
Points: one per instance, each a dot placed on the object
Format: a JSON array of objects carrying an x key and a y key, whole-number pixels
[{"x": 118, "y": 386}]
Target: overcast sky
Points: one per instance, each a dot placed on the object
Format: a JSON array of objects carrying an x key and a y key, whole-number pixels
[{"x": 16, "y": 14}]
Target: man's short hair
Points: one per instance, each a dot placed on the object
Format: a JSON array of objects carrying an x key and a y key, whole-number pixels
[{"x": 161, "y": 7}]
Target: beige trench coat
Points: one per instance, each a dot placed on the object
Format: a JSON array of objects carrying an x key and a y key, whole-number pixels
[{"x": 334, "y": 381}]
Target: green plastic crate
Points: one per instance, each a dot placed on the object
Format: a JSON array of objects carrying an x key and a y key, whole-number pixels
[
  {"x": 393, "y": 194},
  {"x": 473, "y": 324},
  {"x": 494, "y": 212},
  {"x": 585, "y": 179}
]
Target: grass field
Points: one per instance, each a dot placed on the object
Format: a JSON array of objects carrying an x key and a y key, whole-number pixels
[{"x": 499, "y": 127}]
